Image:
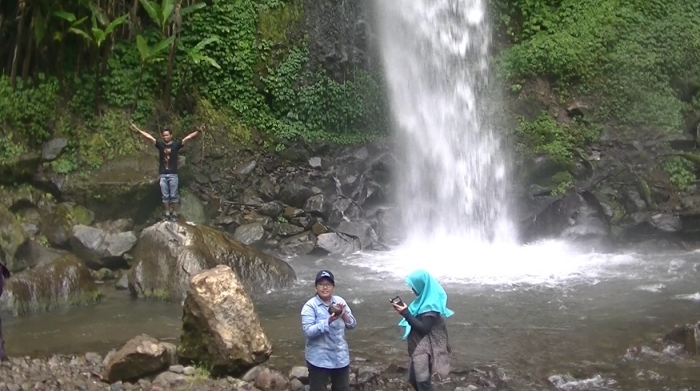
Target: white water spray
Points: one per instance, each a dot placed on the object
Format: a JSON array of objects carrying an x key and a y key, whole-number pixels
[{"x": 453, "y": 181}]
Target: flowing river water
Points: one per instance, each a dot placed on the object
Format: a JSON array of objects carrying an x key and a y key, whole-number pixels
[{"x": 539, "y": 311}]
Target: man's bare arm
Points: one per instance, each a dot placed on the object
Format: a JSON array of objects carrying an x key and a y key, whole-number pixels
[
  {"x": 145, "y": 135},
  {"x": 193, "y": 134}
]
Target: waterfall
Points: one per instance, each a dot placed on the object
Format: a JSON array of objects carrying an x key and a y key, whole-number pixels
[{"x": 453, "y": 178}]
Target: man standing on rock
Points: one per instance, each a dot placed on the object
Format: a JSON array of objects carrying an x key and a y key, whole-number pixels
[
  {"x": 168, "y": 150},
  {"x": 4, "y": 273}
]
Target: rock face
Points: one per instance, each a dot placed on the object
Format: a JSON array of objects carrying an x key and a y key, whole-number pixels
[
  {"x": 168, "y": 254},
  {"x": 123, "y": 188},
  {"x": 141, "y": 356},
  {"x": 220, "y": 328},
  {"x": 61, "y": 283}
]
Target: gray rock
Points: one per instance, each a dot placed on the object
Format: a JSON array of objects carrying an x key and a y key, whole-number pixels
[
  {"x": 253, "y": 233},
  {"x": 53, "y": 148},
  {"x": 176, "y": 369},
  {"x": 189, "y": 371},
  {"x": 300, "y": 373},
  {"x": 170, "y": 378}
]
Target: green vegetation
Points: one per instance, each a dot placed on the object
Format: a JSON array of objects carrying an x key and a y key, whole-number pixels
[
  {"x": 635, "y": 63},
  {"x": 84, "y": 69}
]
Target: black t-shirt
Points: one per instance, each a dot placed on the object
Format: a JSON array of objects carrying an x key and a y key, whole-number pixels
[{"x": 167, "y": 156}]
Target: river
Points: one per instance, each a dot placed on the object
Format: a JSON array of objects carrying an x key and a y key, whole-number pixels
[{"x": 520, "y": 314}]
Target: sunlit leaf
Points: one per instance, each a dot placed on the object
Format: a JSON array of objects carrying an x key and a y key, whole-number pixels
[{"x": 142, "y": 46}]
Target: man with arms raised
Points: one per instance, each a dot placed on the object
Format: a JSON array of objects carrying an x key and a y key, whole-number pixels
[{"x": 168, "y": 150}]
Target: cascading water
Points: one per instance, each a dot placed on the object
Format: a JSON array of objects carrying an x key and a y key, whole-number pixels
[{"x": 453, "y": 181}]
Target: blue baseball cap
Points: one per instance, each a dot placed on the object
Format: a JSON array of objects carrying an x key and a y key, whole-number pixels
[{"x": 325, "y": 274}]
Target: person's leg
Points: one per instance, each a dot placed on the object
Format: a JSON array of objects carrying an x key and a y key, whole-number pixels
[
  {"x": 165, "y": 195},
  {"x": 421, "y": 368},
  {"x": 340, "y": 379},
  {"x": 318, "y": 378},
  {"x": 3, "y": 356},
  {"x": 174, "y": 198},
  {"x": 412, "y": 376}
]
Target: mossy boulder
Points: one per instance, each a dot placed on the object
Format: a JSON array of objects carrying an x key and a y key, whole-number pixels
[
  {"x": 168, "y": 254},
  {"x": 57, "y": 222},
  {"x": 64, "y": 282},
  {"x": 126, "y": 187},
  {"x": 11, "y": 238}
]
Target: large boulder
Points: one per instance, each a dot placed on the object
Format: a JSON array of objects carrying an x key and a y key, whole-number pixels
[
  {"x": 220, "y": 328},
  {"x": 168, "y": 254},
  {"x": 64, "y": 282},
  {"x": 124, "y": 187}
]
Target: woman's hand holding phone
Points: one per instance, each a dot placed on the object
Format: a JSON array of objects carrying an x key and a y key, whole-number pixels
[{"x": 399, "y": 307}]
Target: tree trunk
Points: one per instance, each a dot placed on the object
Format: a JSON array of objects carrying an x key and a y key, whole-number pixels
[
  {"x": 28, "y": 53},
  {"x": 15, "y": 56}
]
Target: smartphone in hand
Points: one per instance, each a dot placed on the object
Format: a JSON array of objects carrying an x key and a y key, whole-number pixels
[{"x": 397, "y": 300}]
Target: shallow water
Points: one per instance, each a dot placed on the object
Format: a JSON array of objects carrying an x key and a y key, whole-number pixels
[{"x": 533, "y": 312}]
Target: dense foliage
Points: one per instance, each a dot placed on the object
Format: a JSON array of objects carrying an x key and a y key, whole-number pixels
[
  {"x": 635, "y": 63},
  {"x": 85, "y": 68}
]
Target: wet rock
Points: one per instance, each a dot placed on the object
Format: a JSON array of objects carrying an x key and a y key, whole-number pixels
[
  {"x": 168, "y": 254},
  {"x": 99, "y": 248},
  {"x": 300, "y": 244},
  {"x": 141, "y": 356},
  {"x": 295, "y": 192},
  {"x": 53, "y": 148},
  {"x": 363, "y": 231},
  {"x": 220, "y": 327},
  {"x": 575, "y": 216},
  {"x": 57, "y": 223},
  {"x": 122, "y": 282},
  {"x": 320, "y": 205},
  {"x": 290, "y": 213},
  {"x": 11, "y": 238},
  {"x": 286, "y": 230},
  {"x": 271, "y": 209},
  {"x": 686, "y": 335},
  {"x": 250, "y": 234},
  {"x": 338, "y": 243},
  {"x": 33, "y": 253},
  {"x": 345, "y": 209},
  {"x": 64, "y": 282},
  {"x": 385, "y": 222}
]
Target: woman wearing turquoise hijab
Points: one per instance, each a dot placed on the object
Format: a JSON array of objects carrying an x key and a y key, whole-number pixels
[{"x": 425, "y": 330}]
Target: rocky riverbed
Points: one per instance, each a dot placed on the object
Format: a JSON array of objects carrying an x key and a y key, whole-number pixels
[{"x": 85, "y": 373}]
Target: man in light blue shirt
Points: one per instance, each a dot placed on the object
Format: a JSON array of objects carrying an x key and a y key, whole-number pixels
[{"x": 324, "y": 319}]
